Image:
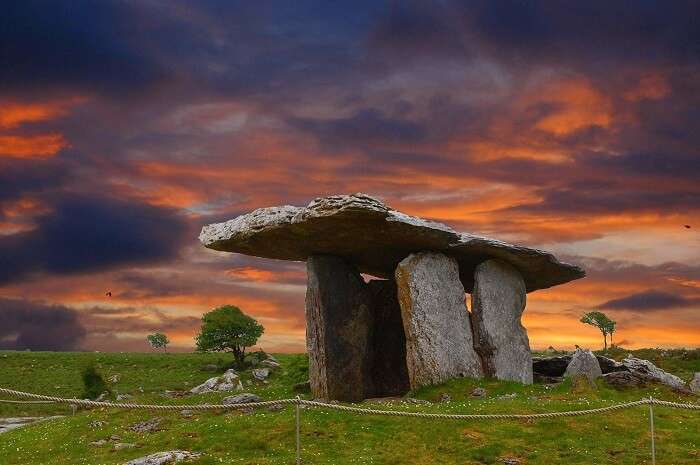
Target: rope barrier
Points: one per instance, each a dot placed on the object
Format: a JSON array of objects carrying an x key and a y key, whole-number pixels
[{"x": 346, "y": 408}]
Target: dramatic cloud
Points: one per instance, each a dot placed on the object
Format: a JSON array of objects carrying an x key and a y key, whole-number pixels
[
  {"x": 37, "y": 326},
  {"x": 92, "y": 234},
  {"x": 650, "y": 300},
  {"x": 126, "y": 126}
]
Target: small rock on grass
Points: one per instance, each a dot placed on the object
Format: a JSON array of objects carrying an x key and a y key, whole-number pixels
[
  {"x": 244, "y": 398},
  {"x": 123, "y": 445},
  {"x": 165, "y": 458},
  {"x": 147, "y": 426},
  {"x": 445, "y": 397},
  {"x": 694, "y": 384},
  {"x": 261, "y": 373},
  {"x": 186, "y": 413},
  {"x": 478, "y": 392}
]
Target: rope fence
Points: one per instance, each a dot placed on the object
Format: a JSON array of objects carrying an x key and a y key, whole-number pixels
[{"x": 298, "y": 403}]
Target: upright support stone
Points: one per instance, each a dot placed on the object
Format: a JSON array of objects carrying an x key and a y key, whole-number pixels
[
  {"x": 338, "y": 321},
  {"x": 435, "y": 319},
  {"x": 388, "y": 372},
  {"x": 498, "y": 301}
]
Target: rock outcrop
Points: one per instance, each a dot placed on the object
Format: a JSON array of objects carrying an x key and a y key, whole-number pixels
[
  {"x": 650, "y": 372},
  {"x": 498, "y": 301},
  {"x": 435, "y": 319},
  {"x": 583, "y": 363},
  {"x": 375, "y": 238},
  {"x": 694, "y": 384},
  {"x": 338, "y": 321},
  {"x": 229, "y": 381}
]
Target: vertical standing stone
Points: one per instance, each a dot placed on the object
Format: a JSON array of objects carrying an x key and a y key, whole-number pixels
[
  {"x": 435, "y": 319},
  {"x": 498, "y": 302},
  {"x": 338, "y": 321},
  {"x": 388, "y": 372}
]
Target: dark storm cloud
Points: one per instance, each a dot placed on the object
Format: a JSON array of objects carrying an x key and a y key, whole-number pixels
[
  {"x": 78, "y": 44},
  {"x": 649, "y": 301},
  {"x": 84, "y": 234},
  {"x": 18, "y": 177},
  {"x": 36, "y": 326}
]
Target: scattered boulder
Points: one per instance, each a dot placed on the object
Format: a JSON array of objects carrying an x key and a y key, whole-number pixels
[
  {"x": 165, "y": 458},
  {"x": 245, "y": 398},
  {"x": 435, "y": 320},
  {"x": 270, "y": 363},
  {"x": 97, "y": 424},
  {"x": 147, "y": 426},
  {"x": 304, "y": 387},
  {"x": 229, "y": 381},
  {"x": 123, "y": 445},
  {"x": 694, "y": 384},
  {"x": 624, "y": 379},
  {"x": 99, "y": 442},
  {"x": 175, "y": 394},
  {"x": 498, "y": 302},
  {"x": 651, "y": 372},
  {"x": 478, "y": 392},
  {"x": 114, "y": 379},
  {"x": 445, "y": 397},
  {"x": 8, "y": 424},
  {"x": 583, "y": 363},
  {"x": 121, "y": 397},
  {"x": 261, "y": 373},
  {"x": 186, "y": 413}
]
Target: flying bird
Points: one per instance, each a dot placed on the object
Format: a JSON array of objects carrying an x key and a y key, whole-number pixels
[
  {"x": 687, "y": 226},
  {"x": 109, "y": 294}
]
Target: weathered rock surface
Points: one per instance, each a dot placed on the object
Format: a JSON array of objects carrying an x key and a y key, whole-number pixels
[
  {"x": 694, "y": 384},
  {"x": 651, "y": 372},
  {"x": 245, "y": 398},
  {"x": 608, "y": 365},
  {"x": 260, "y": 373},
  {"x": 147, "y": 426},
  {"x": 229, "y": 381},
  {"x": 622, "y": 379},
  {"x": 435, "y": 319},
  {"x": 375, "y": 238},
  {"x": 165, "y": 458},
  {"x": 387, "y": 352},
  {"x": 583, "y": 363},
  {"x": 338, "y": 322},
  {"x": 498, "y": 302}
]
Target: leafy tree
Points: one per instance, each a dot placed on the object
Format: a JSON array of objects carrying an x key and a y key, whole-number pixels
[
  {"x": 93, "y": 382},
  {"x": 601, "y": 321},
  {"x": 158, "y": 341},
  {"x": 227, "y": 328}
]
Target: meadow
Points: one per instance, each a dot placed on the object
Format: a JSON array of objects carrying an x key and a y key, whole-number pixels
[{"x": 332, "y": 437}]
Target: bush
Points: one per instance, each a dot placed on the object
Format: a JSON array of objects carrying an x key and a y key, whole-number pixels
[{"x": 93, "y": 382}]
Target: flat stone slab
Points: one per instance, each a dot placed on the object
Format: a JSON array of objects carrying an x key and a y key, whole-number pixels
[{"x": 375, "y": 238}]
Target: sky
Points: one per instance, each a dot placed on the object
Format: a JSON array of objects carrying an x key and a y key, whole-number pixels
[{"x": 125, "y": 126}]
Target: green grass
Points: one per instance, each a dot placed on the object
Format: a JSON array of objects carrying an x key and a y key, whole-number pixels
[{"x": 330, "y": 437}]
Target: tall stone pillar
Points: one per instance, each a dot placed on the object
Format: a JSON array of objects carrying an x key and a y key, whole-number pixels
[
  {"x": 435, "y": 319},
  {"x": 498, "y": 302},
  {"x": 338, "y": 323}
]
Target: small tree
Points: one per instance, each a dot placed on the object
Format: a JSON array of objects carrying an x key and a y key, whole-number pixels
[
  {"x": 93, "y": 382},
  {"x": 601, "y": 321},
  {"x": 158, "y": 341},
  {"x": 227, "y": 328}
]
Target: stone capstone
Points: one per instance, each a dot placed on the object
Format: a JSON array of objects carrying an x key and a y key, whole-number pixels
[
  {"x": 338, "y": 321},
  {"x": 435, "y": 320},
  {"x": 498, "y": 302},
  {"x": 583, "y": 363},
  {"x": 375, "y": 238},
  {"x": 622, "y": 379}
]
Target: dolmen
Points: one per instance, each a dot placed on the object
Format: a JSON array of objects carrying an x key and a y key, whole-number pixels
[{"x": 409, "y": 325}]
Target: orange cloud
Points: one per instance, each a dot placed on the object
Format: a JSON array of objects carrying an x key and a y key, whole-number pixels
[
  {"x": 14, "y": 114},
  {"x": 652, "y": 86},
  {"x": 33, "y": 147}
]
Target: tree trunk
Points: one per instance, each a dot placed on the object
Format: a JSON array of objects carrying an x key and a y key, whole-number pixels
[{"x": 605, "y": 342}]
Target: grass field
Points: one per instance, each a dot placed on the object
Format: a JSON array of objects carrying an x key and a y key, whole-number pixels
[{"x": 331, "y": 437}]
